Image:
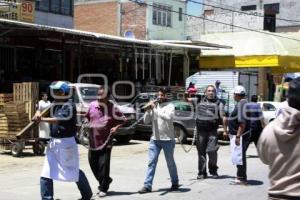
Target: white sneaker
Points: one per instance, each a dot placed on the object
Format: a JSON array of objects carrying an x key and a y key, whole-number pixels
[{"x": 102, "y": 194}]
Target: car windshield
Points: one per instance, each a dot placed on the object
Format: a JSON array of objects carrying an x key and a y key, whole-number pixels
[
  {"x": 89, "y": 94},
  {"x": 268, "y": 107}
]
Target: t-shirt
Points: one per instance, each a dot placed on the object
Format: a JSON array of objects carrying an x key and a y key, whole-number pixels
[
  {"x": 237, "y": 116},
  {"x": 66, "y": 114},
  {"x": 255, "y": 114},
  {"x": 43, "y": 105},
  {"x": 102, "y": 118}
]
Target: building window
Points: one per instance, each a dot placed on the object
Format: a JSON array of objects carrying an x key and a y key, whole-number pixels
[
  {"x": 55, "y": 4},
  {"x": 180, "y": 14},
  {"x": 42, "y": 5},
  {"x": 162, "y": 15},
  {"x": 272, "y": 8},
  {"x": 64, "y": 7},
  {"x": 208, "y": 12},
  {"x": 247, "y": 8}
]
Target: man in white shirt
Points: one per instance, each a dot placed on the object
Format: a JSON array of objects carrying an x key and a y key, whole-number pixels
[{"x": 161, "y": 114}]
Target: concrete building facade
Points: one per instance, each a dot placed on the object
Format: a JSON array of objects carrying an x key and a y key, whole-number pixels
[
  {"x": 271, "y": 15},
  {"x": 244, "y": 15}
]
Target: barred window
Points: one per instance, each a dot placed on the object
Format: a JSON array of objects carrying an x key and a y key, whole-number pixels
[{"x": 162, "y": 15}]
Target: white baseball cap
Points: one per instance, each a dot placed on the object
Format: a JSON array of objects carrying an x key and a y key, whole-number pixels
[{"x": 239, "y": 90}]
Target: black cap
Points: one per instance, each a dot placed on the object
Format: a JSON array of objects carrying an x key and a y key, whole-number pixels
[{"x": 294, "y": 89}]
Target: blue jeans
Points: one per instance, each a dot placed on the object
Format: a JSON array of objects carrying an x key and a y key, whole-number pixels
[
  {"x": 83, "y": 185},
  {"x": 155, "y": 147}
]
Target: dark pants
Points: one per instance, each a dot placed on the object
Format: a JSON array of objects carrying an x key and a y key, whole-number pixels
[
  {"x": 207, "y": 143},
  {"x": 255, "y": 136},
  {"x": 242, "y": 169},
  {"x": 100, "y": 164},
  {"x": 83, "y": 185}
]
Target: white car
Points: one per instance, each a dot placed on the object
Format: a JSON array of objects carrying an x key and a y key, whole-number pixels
[{"x": 269, "y": 109}]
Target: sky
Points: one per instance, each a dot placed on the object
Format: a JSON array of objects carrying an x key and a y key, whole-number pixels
[{"x": 194, "y": 9}]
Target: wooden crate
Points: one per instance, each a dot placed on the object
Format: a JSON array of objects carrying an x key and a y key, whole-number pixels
[
  {"x": 27, "y": 91},
  {"x": 14, "y": 107},
  {"x": 5, "y": 97},
  {"x": 4, "y": 145},
  {"x": 8, "y": 135},
  {"x": 30, "y": 107}
]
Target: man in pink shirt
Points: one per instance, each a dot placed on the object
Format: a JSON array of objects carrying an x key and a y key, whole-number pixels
[{"x": 105, "y": 119}]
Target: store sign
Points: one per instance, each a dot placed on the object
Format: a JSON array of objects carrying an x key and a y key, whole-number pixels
[
  {"x": 20, "y": 10},
  {"x": 27, "y": 11}
]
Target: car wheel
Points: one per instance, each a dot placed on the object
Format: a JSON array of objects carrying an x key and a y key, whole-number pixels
[
  {"x": 123, "y": 139},
  {"x": 180, "y": 134}
]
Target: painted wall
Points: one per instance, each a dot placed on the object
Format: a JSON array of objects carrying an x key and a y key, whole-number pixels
[
  {"x": 176, "y": 32},
  {"x": 50, "y": 19}
]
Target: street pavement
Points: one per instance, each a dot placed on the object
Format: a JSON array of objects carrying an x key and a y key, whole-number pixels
[{"x": 19, "y": 177}]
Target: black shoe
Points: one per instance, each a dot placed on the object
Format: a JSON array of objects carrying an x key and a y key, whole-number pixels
[
  {"x": 215, "y": 175},
  {"x": 144, "y": 190},
  {"x": 174, "y": 187},
  {"x": 99, "y": 187},
  {"x": 202, "y": 176}
]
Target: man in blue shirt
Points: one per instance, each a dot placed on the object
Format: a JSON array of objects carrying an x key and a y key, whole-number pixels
[
  {"x": 62, "y": 158},
  {"x": 256, "y": 119}
]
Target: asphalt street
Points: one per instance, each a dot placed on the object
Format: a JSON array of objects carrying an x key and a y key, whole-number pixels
[{"x": 19, "y": 177}]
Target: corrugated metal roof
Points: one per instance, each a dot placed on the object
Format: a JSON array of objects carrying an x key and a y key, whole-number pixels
[{"x": 92, "y": 35}]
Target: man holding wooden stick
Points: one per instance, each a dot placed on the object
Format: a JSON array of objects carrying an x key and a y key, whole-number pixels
[{"x": 62, "y": 158}]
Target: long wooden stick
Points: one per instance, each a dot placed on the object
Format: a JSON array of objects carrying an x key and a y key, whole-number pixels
[{"x": 32, "y": 124}]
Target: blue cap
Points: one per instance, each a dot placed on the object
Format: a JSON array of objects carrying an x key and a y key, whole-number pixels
[{"x": 60, "y": 85}]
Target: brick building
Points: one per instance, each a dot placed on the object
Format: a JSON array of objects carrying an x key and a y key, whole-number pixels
[
  {"x": 97, "y": 17},
  {"x": 155, "y": 21}
]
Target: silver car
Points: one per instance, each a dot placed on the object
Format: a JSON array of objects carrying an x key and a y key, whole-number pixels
[{"x": 184, "y": 122}]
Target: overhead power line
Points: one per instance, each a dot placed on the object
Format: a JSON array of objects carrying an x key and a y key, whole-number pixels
[
  {"x": 241, "y": 12},
  {"x": 203, "y": 18}
]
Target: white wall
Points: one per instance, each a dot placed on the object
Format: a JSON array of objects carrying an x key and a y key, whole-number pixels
[
  {"x": 196, "y": 26},
  {"x": 176, "y": 32}
]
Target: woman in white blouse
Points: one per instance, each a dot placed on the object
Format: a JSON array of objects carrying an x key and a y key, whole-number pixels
[{"x": 44, "y": 128}]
